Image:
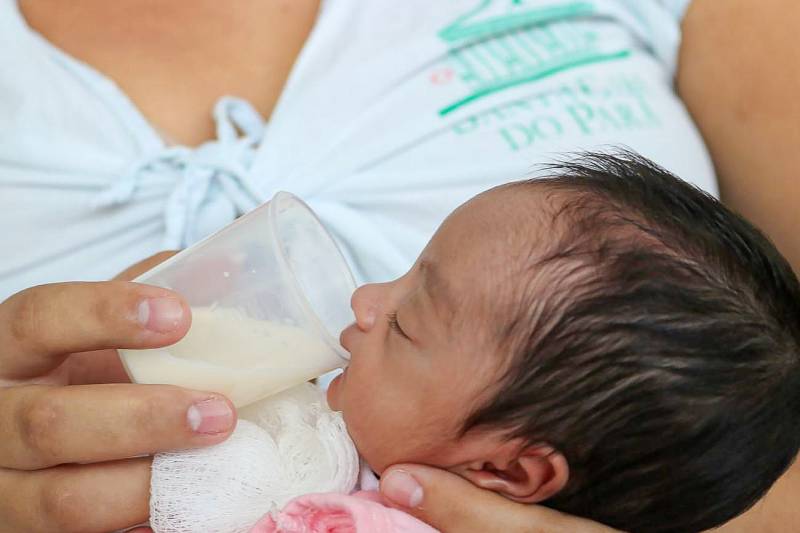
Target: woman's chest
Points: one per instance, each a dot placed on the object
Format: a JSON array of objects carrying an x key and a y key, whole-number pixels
[{"x": 175, "y": 59}]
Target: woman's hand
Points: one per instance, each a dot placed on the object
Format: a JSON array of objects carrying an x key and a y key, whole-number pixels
[
  {"x": 71, "y": 453},
  {"x": 452, "y": 504}
]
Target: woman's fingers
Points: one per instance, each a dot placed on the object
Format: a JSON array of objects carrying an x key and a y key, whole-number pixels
[
  {"x": 38, "y": 326},
  {"x": 81, "y": 499},
  {"x": 452, "y": 504},
  {"x": 45, "y": 426}
]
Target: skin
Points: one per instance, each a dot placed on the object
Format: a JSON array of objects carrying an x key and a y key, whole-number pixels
[{"x": 734, "y": 74}]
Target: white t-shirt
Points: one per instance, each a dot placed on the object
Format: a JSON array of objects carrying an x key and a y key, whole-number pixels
[{"x": 394, "y": 114}]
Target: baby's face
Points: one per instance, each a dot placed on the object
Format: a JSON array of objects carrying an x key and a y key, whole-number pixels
[{"x": 423, "y": 349}]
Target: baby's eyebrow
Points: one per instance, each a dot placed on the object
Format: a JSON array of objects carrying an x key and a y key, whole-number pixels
[{"x": 438, "y": 289}]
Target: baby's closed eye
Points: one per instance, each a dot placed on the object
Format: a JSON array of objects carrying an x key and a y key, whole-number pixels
[{"x": 394, "y": 325}]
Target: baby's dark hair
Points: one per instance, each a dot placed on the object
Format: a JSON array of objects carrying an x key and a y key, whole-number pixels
[{"x": 658, "y": 350}]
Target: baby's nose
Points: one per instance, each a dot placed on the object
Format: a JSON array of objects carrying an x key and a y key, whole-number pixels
[{"x": 365, "y": 306}]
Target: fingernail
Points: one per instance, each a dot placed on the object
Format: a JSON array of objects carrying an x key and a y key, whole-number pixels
[
  {"x": 400, "y": 487},
  {"x": 160, "y": 314},
  {"x": 210, "y": 417}
]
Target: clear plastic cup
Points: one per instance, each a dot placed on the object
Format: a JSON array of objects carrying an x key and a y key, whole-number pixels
[{"x": 269, "y": 296}]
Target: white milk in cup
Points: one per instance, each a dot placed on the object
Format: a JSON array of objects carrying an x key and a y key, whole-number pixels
[{"x": 269, "y": 296}]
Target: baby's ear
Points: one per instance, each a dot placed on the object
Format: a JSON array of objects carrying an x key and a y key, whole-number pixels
[{"x": 535, "y": 474}]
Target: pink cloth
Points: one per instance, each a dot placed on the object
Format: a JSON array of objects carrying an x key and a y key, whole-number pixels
[{"x": 362, "y": 512}]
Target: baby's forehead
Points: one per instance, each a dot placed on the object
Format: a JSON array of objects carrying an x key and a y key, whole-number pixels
[
  {"x": 487, "y": 247},
  {"x": 514, "y": 221},
  {"x": 506, "y": 239},
  {"x": 526, "y": 205}
]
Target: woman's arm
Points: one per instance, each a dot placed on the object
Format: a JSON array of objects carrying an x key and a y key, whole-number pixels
[
  {"x": 777, "y": 512},
  {"x": 739, "y": 75}
]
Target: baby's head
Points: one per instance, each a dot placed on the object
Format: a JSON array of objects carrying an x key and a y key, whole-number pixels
[{"x": 611, "y": 341}]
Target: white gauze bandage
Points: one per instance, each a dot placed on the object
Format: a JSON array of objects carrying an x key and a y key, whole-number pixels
[{"x": 284, "y": 446}]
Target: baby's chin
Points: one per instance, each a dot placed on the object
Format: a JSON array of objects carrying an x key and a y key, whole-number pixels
[
  {"x": 334, "y": 396},
  {"x": 376, "y": 462}
]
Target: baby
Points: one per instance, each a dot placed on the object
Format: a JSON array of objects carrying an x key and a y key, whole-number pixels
[{"x": 611, "y": 342}]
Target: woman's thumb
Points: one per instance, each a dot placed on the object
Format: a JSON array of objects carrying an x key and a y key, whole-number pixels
[
  {"x": 444, "y": 500},
  {"x": 450, "y": 503}
]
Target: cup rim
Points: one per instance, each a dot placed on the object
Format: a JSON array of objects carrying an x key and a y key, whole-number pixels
[{"x": 302, "y": 298}]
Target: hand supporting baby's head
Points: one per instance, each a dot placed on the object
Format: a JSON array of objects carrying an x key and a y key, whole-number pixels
[{"x": 610, "y": 340}]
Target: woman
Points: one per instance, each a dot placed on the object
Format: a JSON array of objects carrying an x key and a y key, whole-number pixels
[{"x": 390, "y": 116}]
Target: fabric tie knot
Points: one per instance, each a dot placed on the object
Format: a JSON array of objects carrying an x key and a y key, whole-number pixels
[{"x": 213, "y": 177}]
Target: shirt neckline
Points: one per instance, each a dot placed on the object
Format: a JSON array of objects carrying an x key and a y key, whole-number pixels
[
  {"x": 115, "y": 98},
  {"x": 106, "y": 89}
]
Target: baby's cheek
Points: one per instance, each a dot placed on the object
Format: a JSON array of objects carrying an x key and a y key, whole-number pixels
[
  {"x": 371, "y": 404},
  {"x": 376, "y": 435}
]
